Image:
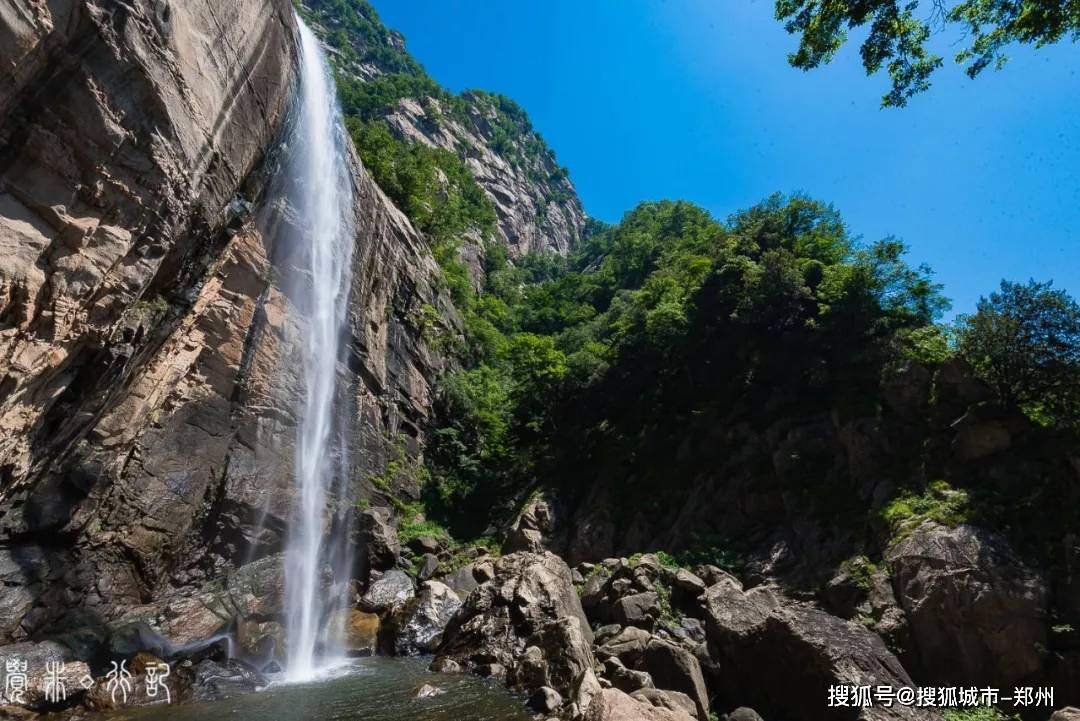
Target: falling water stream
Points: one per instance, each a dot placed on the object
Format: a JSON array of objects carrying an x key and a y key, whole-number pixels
[{"x": 322, "y": 199}]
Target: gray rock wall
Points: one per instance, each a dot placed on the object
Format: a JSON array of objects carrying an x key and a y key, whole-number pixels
[{"x": 146, "y": 395}]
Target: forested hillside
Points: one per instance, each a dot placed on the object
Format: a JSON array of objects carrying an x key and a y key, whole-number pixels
[{"x": 769, "y": 392}]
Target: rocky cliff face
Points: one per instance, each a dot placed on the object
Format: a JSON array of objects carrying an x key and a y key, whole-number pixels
[
  {"x": 536, "y": 205},
  {"x": 145, "y": 395}
]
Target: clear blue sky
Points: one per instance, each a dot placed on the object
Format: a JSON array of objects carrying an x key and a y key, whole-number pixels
[{"x": 693, "y": 99}]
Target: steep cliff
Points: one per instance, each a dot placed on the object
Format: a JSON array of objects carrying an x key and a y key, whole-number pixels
[
  {"x": 536, "y": 205},
  {"x": 147, "y": 400}
]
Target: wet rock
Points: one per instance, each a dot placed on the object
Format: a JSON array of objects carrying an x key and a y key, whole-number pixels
[
  {"x": 421, "y": 621},
  {"x": 442, "y": 664},
  {"x": 360, "y": 632},
  {"x": 429, "y": 691},
  {"x": 975, "y": 611},
  {"x": 260, "y": 641},
  {"x": 491, "y": 670},
  {"x": 129, "y": 639},
  {"x": 544, "y": 700},
  {"x": 258, "y": 588},
  {"x": 391, "y": 591},
  {"x": 614, "y": 705},
  {"x": 214, "y": 681},
  {"x": 38, "y": 659}
]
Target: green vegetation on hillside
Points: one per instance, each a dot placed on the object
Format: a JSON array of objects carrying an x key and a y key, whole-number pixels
[
  {"x": 657, "y": 321},
  {"x": 665, "y": 325},
  {"x": 1024, "y": 341}
]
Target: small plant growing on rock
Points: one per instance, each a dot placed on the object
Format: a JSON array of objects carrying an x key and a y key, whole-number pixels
[
  {"x": 940, "y": 503},
  {"x": 981, "y": 713}
]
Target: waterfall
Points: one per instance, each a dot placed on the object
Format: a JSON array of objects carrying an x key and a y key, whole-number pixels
[{"x": 320, "y": 198}]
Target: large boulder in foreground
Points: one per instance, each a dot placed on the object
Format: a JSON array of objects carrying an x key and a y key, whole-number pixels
[
  {"x": 526, "y": 624},
  {"x": 421, "y": 621},
  {"x": 39, "y": 659},
  {"x": 976, "y": 613},
  {"x": 614, "y": 705},
  {"x": 780, "y": 657}
]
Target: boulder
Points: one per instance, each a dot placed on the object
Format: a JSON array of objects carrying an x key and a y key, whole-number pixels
[
  {"x": 530, "y": 603},
  {"x": 442, "y": 664},
  {"x": 639, "y": 609},
  {"x": 671, "y": 700},
  {"x": 421, "y": 621},
  {"x": 428, "y": 566},
  {"x": 976, "y": 613},
  {"x": 391, "y": 591},
  {"x": 688, "y": 583},
  {"x": 544, "y": 700},
  {"x": 531, "y": 529},
  {"x": 614, "y": 705},
  {"x": 627, "y": 645},
  {"x": 483, "y": 571},
  {"x": 258, "y": 588},
  {"x": 378, "y": 538},
  {"x": 215, "y": 681},
  {"x": 39, "y": 658},
  {"x": 428, "y": 691},
  {"x": 759, "y": 634},
  {"x": 260, "y": 641},
  {"x": 625, "y": 679},
  {"x": 1069, "y": 713},
  {"x": 424, "y": 544},
  {"x": 743, "y": 714},
  {"x": 674, "y": 668},
  {"x": 360, "y": 632},
  {"x": 462, "y": 580}
]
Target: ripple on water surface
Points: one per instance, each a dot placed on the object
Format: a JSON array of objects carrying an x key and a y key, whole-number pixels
[{"x": 376, "y": 689}]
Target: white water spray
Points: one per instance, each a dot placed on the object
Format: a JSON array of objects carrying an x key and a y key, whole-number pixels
[{"x": 322, "y": 198}]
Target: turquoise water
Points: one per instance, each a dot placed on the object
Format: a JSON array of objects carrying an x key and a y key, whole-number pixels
[{"x": 372, "y": 689}]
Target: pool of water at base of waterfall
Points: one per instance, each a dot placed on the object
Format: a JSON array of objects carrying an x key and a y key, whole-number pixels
[{"x": 370, "y": 689}]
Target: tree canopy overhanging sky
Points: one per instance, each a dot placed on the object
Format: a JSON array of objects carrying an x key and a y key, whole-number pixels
[{"x": 899, "y": 33}]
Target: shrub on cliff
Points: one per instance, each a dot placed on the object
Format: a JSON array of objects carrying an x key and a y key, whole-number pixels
[{"x": 1024, "y": 341}]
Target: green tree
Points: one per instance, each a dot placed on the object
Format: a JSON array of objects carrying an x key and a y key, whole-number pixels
[
  {"x": 898, "y": 35},
  {"x": 1024, "y": 341}
]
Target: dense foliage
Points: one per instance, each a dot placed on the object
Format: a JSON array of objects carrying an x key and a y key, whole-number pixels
[
  {"x": 670, "y": 321},
  {"x": 1024, "y": 341},
  {"x": 900, "y": 30},
  {"x": 660, "y": 320},
  {"x": 431, "y": 185}
]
